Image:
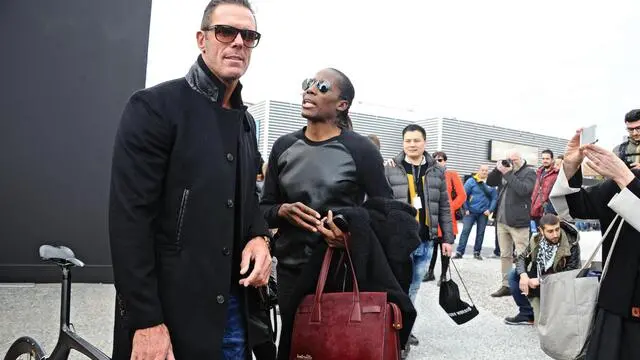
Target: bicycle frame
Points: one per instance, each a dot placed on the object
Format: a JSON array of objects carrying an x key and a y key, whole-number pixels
[{"x": 67, "y": 339}]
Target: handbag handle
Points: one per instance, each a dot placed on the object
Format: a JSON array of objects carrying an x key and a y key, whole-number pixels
[
  {"x": 461, "y": 280},
  {"x": 607, "y": 262},
  {"x": 316, "y": 312}
]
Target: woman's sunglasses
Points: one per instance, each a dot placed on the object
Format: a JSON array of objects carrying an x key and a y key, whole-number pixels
[
  {"x": 322, "y": 85},
  {"x": 226, "y": 34}
]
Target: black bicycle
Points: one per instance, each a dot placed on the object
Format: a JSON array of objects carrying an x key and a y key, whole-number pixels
[{"x": 27, "y": 348}]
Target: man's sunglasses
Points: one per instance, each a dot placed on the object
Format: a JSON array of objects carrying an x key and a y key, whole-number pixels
[
  {"x": 322, "y": 85},
  {"x": 227, "y": 34},
  {"x": 440, "y": 160}
]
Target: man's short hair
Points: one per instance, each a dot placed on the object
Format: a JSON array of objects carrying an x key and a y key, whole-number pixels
[
  {"x": 549, "y": 219},
  {"x": 374, "y": 138},
  {"x": 548, "y": 151},
  {"x": 213, "y": 4},
  {"x": 514, "y": 152},
  {"x": 633, "y": 115},
  {"x": 415, "y": 127},
  {"x": 441, "y": 154}
]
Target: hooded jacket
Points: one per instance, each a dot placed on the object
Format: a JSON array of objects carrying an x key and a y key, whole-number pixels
[
  {"x": 480, "y": 196},
  {"x": 567, "y": 256}
]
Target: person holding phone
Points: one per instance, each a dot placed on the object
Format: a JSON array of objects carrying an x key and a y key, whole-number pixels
[
  {"x": 313, "y": 172},
  {"x": 616, "y": 327}
]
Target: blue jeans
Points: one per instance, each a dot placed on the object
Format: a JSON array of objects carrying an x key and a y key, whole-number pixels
[
  {"x": 480, "y": 220},
  {"x": 421, "y": 258},
  {"x": 521, "y": 300},
  {"x": 234, "y": 341}
]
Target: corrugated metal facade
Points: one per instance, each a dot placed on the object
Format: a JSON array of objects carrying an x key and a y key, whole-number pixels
[{"x": 466, "y": 143}]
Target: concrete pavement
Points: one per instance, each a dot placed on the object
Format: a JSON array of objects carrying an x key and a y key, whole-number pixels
[{"x": 33, "y": 309}]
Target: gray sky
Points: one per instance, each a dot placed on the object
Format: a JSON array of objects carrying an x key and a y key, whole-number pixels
[{"x": 541, "y": 66}]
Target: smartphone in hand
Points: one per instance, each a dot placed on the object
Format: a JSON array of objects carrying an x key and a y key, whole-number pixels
[
  {"x": 588, "y": 136},
  {"x": 340, "y": 221}
]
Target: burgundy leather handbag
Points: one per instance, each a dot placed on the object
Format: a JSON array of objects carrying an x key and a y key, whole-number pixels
[{"x": 348, "y": 325}]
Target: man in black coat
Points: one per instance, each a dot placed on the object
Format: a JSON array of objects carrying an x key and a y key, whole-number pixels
[
  {"x": 184, "y": 222},
  {"x": 515, "y": 182},
  {"x": 616, "y": 327}
]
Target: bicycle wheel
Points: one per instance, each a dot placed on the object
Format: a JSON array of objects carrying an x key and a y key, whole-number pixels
[{"x": 25, "y": 348}]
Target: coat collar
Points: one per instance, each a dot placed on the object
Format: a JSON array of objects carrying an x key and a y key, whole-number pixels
[
  {"x": 427, "y": 159},
  {"x": 553, "y": 170},
  {"x": 203, "y": 81}
]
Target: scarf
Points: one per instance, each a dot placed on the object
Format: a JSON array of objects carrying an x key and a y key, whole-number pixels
[{"x": 546, "y": 255}]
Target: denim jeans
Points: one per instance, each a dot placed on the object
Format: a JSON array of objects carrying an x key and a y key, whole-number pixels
[
  {"x": 421, "y": 258},
  {"x": 235, "y": 336},
  {"x": 480, "y": 220},
  {"x": 521, "y": 300}
]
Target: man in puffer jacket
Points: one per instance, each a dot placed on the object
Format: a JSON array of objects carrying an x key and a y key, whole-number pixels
[
  {"x": 553, "y": 249},
  {"x": 416, "y": 179}
]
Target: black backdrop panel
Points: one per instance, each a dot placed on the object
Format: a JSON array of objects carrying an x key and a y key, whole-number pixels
[{"x": 66, "y": 69}]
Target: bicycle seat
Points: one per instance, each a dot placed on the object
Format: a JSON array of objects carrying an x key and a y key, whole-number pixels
[{"x": 60, "y": 255}]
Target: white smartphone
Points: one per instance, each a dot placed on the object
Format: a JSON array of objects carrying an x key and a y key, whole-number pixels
[{"x": 588, "y": 135}]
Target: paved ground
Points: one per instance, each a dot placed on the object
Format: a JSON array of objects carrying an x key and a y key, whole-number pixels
[{"x": 33, "y": 309}]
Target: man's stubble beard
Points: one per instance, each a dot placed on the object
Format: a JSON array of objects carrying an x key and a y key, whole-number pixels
[{"x": 552, "y": 242}]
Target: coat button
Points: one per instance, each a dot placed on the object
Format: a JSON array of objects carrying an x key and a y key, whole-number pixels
[
  {"x": 225, "y": 251},
  {"x": 229, "y": 203},
  {"x": 229, "y": 157},
  {"x": 220, "y": 299}
]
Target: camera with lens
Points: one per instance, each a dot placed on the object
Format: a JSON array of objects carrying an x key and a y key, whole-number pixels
[{"x": 506, "y": 163}]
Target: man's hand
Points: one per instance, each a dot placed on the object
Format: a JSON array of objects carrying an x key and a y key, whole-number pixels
[
  {"x": 608, "y": 164},
  {"x": 300, "y": 215},
  {"x": 447, "y": 249},
  {"x": 524, "y": 284},
  {"x": 573, "y": 155},
  {"x": 503, "y": 169},
  {"x": 152, "y": 343},
  {"x": 635, "y": 166},
  {"x": 467, "y": 212},
  {"x": 258, "y": 252},
  {"x": 332, "y": 235},
  {"x": 534, "y": 283},
  {"x": 487, "y": 213}
]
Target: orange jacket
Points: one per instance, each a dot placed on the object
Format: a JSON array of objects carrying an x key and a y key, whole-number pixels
[{"x": 454, "y": 182}]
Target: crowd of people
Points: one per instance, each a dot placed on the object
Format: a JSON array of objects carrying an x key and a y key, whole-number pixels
[{"x": 193, "y": 234}]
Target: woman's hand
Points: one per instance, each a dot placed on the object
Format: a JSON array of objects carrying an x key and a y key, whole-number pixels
[
  {"x": 573, "y": 155},
  {"x": 300, "y": 215},
  {"x": 608, "y": 164},
  {"x": 332, "y": 234}
]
